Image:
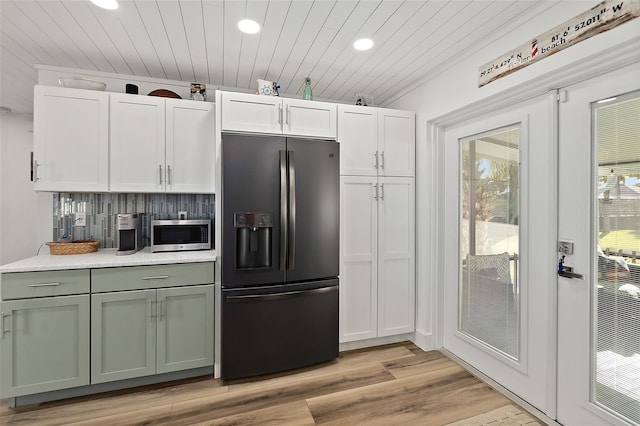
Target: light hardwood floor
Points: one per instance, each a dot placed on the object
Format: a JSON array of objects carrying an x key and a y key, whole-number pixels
[{"x": 396, "y": 384}]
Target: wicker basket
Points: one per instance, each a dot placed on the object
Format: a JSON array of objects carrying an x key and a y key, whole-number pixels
[{"x": 74, "y": 247}]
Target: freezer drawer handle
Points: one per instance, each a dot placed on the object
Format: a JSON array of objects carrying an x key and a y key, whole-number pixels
[{"x": 278, "y": 296}]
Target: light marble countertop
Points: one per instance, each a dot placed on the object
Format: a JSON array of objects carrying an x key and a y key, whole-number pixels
[{"x": 106, "y": 258}]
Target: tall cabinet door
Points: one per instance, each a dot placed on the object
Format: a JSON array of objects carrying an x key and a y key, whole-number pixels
[
  {"x": 397, "y": 143},
  {"x": 123, "y": 335},
  {"x": 396, "y": 256},
  {"x": 185, "y": 328},
  {"x": 71, "y": 140},
  {"x": 190, "y": 146},
  {"x": 137, "y": 158},
  {"x": 359, "y": 266},
  {"x": 45, "y": 345},
  {"x": 358, "y": 137}
]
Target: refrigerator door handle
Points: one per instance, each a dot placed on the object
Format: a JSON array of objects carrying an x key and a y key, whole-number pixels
[
  {"x": 283, "y": 210},
  {"x": 291, "y": 247},
  {"x": 277, "y": 296}
]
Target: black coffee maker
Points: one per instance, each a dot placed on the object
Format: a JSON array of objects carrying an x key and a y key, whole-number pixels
[{"x": 129, "y": 227}]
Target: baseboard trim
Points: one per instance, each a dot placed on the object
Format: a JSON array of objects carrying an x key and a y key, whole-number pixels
[
  {"x": 378, "y": 341},
  {"x": 426, "y": 342},
  {"x": 504, "y": 391}
]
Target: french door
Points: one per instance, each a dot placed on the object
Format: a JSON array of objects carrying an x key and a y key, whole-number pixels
[
  {"x": 599, "y": 230},
  {"x": 499, "y": 234}
]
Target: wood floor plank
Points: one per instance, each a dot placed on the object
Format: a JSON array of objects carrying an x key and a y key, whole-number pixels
[
  {"x": 232, "y": 403},
  {"x": 345, "y": 361},
  {"x": 418, "y": 364},
  {"x": 402, "y": 400},
  {"x": 294, "y": 414}
]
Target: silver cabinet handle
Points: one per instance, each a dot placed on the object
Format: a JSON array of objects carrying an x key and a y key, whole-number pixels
[
  {"x": 375, "y": 197},
  {"x": 2, "y": 315},
  {"x": 35, "y": 170},
  {"x": 382, "y": 158},
  {"x": 382, "y": 191},
  {"x": 168, "y": 175},
  {"x": 292, "y": 212},
  {"x": 160, "y": 173},
  {"x": 44, "y": 285},
  {"x": 279, "y": 114},
  {"x": 283, "y": 210},
  {"x": 287, "y": 116},
  {"x": 151, "y": 316},
  {"x": 376, "y": 157},
  {"x": 157, "y": 277},
  {"x": 161, "y": 310}
]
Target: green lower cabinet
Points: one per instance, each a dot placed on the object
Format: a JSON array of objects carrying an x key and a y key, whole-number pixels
[
  {"x": 144, "y": 332},
  {"x": 44, "y": 344},
  {"x": 185, "y": 328}
]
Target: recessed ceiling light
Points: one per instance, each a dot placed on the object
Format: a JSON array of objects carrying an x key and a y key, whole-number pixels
[
  {"x": 363, "y": 44},
  {"x": 248, "y": 26},
  {"x": 106, "y": 4}
]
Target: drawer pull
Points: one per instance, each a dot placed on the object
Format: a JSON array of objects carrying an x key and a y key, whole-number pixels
[
  {"x": 157, "y": 277},
  {"x": 44, "y": 285}
]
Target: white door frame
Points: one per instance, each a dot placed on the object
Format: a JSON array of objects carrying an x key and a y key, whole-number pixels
[{"x": 617, "y": 57}]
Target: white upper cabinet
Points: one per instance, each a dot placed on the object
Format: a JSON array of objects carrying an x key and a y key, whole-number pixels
[
  {"x": 243, "y": 112},
  {"x": 161, "y": 145},
  {"x": 396, "y": 142},
  {"x": 137, "y": 159},
  {"x": 358, "y": 137},
  {"x": 190, "y": 146},
  {"x": 71, "y": 140},
  {"x": 376, "y": 141}
]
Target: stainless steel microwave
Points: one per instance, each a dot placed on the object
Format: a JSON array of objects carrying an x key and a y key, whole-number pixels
[{"x": 180, "y": 235}]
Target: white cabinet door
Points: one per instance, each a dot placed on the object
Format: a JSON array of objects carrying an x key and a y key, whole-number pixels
[
  {"x": 358, "y": 137},
  {"x": 396, "y": 256},
  {"x": 185, "y": 328},
  {"x": 190, "y": 146},
  {"x": 397, "y": 142},
  {"x": 123, "y": 335},
  {"x": 251, "y": 113},
  {"x": 359, "y": 265},
  {"x": 44, "y": 345},
  {"x": 309, "y": 118},
  {"x": 137, "y": 158},
  {"x": 71, "y": 140}
]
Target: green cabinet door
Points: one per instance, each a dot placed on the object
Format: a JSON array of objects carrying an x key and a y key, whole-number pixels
[
  {"x": 44, "y": 345},
  {"x": 185, "y": 328},
  {"x": 123, "y": 335}
]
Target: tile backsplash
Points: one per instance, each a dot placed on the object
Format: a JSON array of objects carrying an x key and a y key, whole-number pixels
[{"x": 101, "y": 211}]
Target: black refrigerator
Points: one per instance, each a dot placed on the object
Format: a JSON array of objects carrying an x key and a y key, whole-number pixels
[{"x": 280, "y": 247}]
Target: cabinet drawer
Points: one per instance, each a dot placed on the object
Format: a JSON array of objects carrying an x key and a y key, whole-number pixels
[
  {"x": 22, "y": 285},
  {"x": 146, "y": 277}
]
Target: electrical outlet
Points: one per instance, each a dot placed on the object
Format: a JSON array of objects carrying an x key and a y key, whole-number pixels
[
  {"x": 81, "y": 219},
  {"x": 182, "y": 215}
]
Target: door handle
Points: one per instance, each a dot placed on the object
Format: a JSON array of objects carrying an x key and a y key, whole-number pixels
[
  {"x": 286, "y": 120},
  {"x": 2, "y": 316},
  {"x": 160, "y": 173},
  {"x": 161, "y": 309},
  {"x": 168, "y": 175},
  {"x": 283, "y": 209},
  {"x": 376, "y": 157},
  {"x": 382, "y": 191},
  {"x": 279, "y": 114},
  {"x": 375, "y": 196},
  {"x": 44, "y": 285},
  {"x": 157, "y": 277},
  {"x": 292, "y": 211},
  {"x": 382, "y": 160}
]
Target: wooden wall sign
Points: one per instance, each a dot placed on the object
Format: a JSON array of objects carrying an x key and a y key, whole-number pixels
[{"x": 606, "y": 15}]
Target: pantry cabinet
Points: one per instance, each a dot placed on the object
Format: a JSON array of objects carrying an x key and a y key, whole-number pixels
[
  {"x": 269, "y": 114},
  {"x": 150, "y": 325},
  {"x": 377, "y": 268},
  {"x": 376, "y": 141},
  {"x": 161, "y": 145},
  {"x": 70, "y": 140}
]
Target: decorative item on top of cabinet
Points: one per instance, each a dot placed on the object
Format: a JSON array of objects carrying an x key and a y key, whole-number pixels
[
  {"x": 306, "y": 93},
  {"x": 241, "y": 112}
]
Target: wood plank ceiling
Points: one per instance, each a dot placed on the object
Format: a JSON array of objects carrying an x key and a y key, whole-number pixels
[{"x": 198, "y": 41}]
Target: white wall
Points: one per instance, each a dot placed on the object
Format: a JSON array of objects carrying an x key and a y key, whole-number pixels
[
  {"x": 19, "y": 205},
  {"x": 455, "y": 93}
]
